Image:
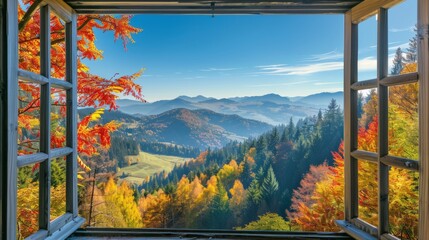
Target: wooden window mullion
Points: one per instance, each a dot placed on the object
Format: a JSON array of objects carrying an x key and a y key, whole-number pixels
[
  {"x": 350, "y": 117},
  {"x": 45, "y": 119},
  {"x": 383, "y": 143},
  {"x": 71, "y": 132}
]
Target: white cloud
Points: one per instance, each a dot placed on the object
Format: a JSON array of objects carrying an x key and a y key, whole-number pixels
[
  {"x": 300, "y": 69},
  {"x": 327, "y": 83},
  {"x": 332, "y": 55},
  {"x": 395, "y": 30},
  {"x": 367, "y": 64},
  {"x": 403, "y": 46}
]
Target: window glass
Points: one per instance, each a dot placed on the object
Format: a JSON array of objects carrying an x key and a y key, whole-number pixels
[
  {"x": 403, "y": 203},
  {"x": 58, "y": 47},
  {"x": 27, "y": 201},
  {"x": 404, "y": 121},
  {"x": 367, "y": 49},
  {"x": 368, "y": 192},
  {"x": 58, "y": 187},
  {"x": 367, "y": 107},
  {"x": 28, "y": 37},
  {"x": 403, "y": 37},
  {"x": 58, "y": 118},
  {"x": 28, "y": 117}
]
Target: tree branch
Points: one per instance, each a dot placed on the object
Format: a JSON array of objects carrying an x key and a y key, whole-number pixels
[{"x": 28, "y": 14}]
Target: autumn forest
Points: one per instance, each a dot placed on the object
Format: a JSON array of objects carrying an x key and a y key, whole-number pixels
[{"x": 282, "y": 177}]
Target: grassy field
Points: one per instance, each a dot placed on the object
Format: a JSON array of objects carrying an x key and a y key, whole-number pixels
[{"x": 146, "y": 164}]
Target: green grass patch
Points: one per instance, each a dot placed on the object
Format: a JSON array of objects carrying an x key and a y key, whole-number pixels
[{"x": 146, "y": 164}]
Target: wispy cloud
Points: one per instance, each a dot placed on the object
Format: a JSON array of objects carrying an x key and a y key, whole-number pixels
[
  {"x": 391, "y": 43},
  {"x": 365, "y": 64},
  {"x": 217, "y": 69},
  {"x": 279, "y": 69},
  {"x": 402, "y": 46},
  {"x": 395, "y": 30},
  {"x": 332, "y": 55},
  {"x": 327, "y": 83}
]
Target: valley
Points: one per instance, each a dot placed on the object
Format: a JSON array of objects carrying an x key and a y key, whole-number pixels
[{"x": 145, "y": 165}]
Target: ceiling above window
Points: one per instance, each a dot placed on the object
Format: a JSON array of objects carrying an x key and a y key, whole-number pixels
[{"x": 212, "y": 7}]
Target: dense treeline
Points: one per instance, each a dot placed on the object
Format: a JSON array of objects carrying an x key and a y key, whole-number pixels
[
  {"x": 169, "y": 149},
  {"x": 122, "y": 147},
  {"x": 265, "y": 169}
]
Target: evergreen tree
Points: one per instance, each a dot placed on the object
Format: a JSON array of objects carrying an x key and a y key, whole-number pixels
[
  {"x": 360, "y": 105},
  {"x": 291, "y": 129},
  {"x": 219, "y": 208},
  {"x": 398, "y": 62},
  {"x": 273, "y": 139},
  {"x": 411, "y": 56},
  {"x": 261, "y": 146},
  {"x": 284, "y": 136},
  {"x": 270, "y": 184},
  {"x": 254, "y": 193},
  {"x": 246, "y": 175}
]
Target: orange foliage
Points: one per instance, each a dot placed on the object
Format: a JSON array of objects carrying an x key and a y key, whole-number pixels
[{"x": 93, "y": 91}]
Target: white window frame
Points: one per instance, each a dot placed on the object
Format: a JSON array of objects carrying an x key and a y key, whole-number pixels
[{"x": 64, "y": 225}]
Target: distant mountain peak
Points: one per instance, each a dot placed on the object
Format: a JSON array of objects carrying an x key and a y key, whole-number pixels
[{"x": 195, "y": 99}]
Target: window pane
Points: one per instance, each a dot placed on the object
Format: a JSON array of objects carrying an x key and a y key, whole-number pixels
[
  {"x": 28, "y": 37},
  {"x": 403, "y": 38},
  {"x": 27, "y": 201},
  {"x": 58, "y": 187},
  {"x": 58, "y": 47},
  {"x": 367, "y": 120},
  {"x": 367, "y": 51},
  {"x": 368, "y": 192},
  {"x": 28, "y": 117},
  {"x": 403, "y": 203},
  {"x": 404, "y": 121},
  {"x": 58, "y": 118}
]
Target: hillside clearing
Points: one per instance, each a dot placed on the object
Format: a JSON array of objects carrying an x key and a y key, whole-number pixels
[{"x": 146, "y": 164}]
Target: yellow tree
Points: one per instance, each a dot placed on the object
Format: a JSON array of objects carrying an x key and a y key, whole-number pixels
[
  {"x": 238, "y": 200},
  {"x": 120, "y": 205}
]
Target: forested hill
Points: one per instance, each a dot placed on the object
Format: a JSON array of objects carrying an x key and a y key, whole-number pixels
[
  {"x": 199, "y": 128},
  {"x": 268, "y": 168}
]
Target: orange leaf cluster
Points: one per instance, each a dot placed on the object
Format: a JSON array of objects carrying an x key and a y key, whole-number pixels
[{"x": 93, "y": 91}]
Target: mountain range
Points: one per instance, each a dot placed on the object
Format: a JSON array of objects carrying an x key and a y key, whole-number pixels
[
  {"x": 271, "y": 108},
  {"x": 200, "y": 128}
]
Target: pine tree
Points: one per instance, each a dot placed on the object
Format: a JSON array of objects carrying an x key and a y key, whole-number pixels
[
  {"x": 261, "y": 146},
  {"x": 291, "y": 129},
  {"x": 284, "y": 136},
  {"x": 270, "y": 186},
  {"x": 273, "y": 139},
  {"x": 411, "y": 56},
  {"x": 398, "y": 62},
  {"x": 254, "y": 193}
]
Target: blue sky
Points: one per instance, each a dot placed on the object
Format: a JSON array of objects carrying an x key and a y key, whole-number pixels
[{"x": 228, "y": 56}]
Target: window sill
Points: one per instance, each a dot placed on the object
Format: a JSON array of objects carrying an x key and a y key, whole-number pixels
[
  {"x": 183, "y": 234},
  {"x": 353, "y": 231}
]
